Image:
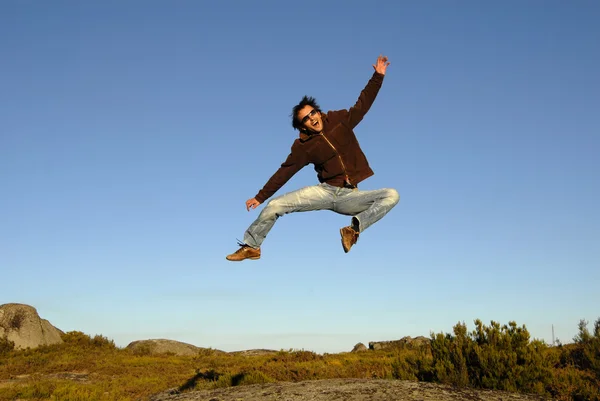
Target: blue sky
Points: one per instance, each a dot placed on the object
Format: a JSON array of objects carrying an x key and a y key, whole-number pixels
[{"x": 133, "y": 132}]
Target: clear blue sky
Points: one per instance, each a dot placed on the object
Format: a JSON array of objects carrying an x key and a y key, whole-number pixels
[{"x": 132, "y": 133}]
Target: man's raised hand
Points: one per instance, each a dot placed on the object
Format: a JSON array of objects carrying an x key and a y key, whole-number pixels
[{"x": 381, "y": 65}]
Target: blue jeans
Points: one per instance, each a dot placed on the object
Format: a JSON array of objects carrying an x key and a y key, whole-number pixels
[{"x": 366, "y": 207}]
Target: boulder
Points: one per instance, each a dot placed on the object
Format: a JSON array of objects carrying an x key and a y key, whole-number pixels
[
  {"x": 418, "y": 342},
  {"x": 254, "y": 352},
  {"x": 404, "y": 343},
  {"x": 22, "y": 325},
  {"x": 360, "y": 347},
  {"x": 162, "y": 346}
]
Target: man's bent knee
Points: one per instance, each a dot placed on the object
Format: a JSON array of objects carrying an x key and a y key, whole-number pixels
[
  {"x": 392, "y": 195},
  {"x": 273, "y": 209}
]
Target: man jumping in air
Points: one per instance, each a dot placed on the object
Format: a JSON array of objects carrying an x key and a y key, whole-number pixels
[{"x": 328, "y": 142}]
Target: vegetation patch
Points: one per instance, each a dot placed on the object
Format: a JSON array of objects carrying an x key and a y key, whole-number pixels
[
  {"x": 495, "y": 356},
  {"x": 16, "y": 321}
]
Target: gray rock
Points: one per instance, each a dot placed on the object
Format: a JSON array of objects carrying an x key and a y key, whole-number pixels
[
  {"x": 254, "y": 352},
  {"x": 404, "y": 343},
  {"x": 360, "y": 347},
  {"x": 162, "y": 346},
  {"x": 22, "y": 325},
  {"x": 343, "y": 389}
]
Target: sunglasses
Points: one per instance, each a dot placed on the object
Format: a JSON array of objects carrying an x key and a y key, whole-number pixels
[{"x": 309, "y": 115}]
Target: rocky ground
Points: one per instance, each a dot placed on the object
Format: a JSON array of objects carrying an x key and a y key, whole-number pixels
[{"x": 344, "y": 390}]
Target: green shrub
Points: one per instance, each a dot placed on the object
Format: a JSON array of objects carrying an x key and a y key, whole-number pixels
[
  {"x": 83, "y": 340},
  {"x": 571, "y": 384},
  {"x": 492, "y": 357},
  {"x": 254, "y": 377},
  {"x": 6, "y": 345},
  {"x": 402, "y": 369},
  {"x": 296, "y": 356},
  {"x": 587, "y": 355},
  {"x": 449, "y": 362},
  {"x": 577, "y": 375}
]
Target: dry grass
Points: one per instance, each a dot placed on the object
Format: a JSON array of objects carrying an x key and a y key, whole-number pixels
[
  {"x": 85, "y": 368},
  {"x": 94, "y": 369}
]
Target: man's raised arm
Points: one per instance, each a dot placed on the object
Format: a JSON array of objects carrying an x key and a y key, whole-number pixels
[{"x": 368, "y": 95}]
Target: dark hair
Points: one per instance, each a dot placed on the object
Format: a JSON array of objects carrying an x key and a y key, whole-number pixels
[{"x": 306, "y": 101}]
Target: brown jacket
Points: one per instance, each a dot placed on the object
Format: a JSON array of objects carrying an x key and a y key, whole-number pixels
[{"x": 335, "y": 152}]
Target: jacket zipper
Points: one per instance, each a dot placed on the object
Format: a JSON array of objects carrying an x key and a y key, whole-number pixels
[{"x": 347, "y": 179}]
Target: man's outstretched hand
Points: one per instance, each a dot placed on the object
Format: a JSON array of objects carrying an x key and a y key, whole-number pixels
[
  {"x": 252, "y": 204},
  {"x": 381, "y": 65}
]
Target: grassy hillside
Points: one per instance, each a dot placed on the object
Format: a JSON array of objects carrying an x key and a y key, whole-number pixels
[{"x": 497, "y": 356}]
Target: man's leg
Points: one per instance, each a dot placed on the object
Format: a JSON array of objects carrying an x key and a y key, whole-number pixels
[
  {"x": 312, "y": 198},
  {"x": 366, "y": 207},
  {"x": 302, "y": 200}
]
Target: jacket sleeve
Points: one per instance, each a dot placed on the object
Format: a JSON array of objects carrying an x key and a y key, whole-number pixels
[
  {"x": 295, "y": 161},
  {"x": 365, "y": 100}
]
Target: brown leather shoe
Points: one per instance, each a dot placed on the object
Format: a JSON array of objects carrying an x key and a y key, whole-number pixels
[
  {"x": 349, "y": 237},
  {"x": 245, "y": 252}
]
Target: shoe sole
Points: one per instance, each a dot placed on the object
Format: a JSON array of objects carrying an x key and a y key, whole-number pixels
[
  {"x": 343, "y": 246},
  {"x": 239, "y": 260}
]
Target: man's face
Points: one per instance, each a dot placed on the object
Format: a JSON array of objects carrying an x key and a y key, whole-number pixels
[{"x": 311, "y": 119}]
